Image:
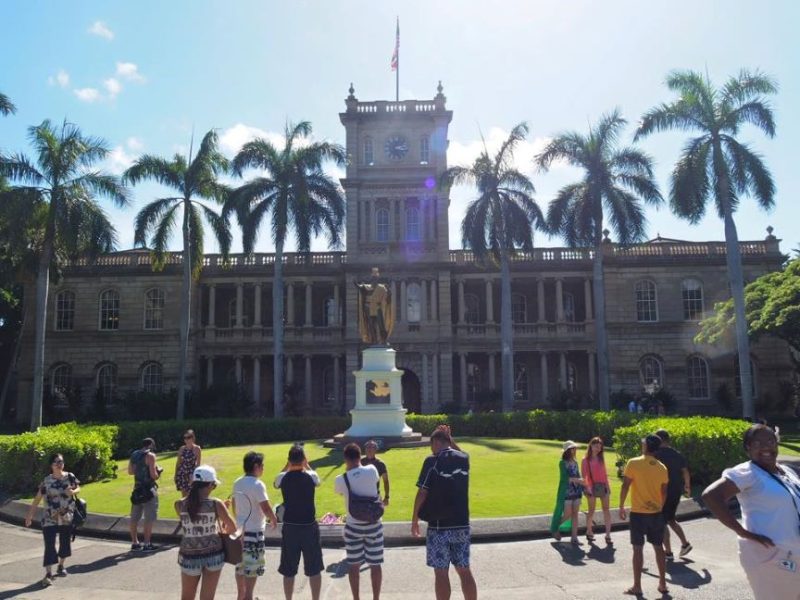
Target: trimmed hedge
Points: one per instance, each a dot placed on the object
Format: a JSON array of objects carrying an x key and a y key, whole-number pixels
[
  {"x": 87, "y": 450},
  {"x": 710, "y": 444}
]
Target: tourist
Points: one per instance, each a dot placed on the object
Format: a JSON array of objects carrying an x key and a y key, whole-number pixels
[
  {"x": 632, "y": 406},
  {"x": 58, "y": 490},
  {"x": 769, "y": 533},
  {"x": 144, "y": 499},
  {"x": 300, "y": 531},
  {"x": 443, "y": 501},
  {"x": 647, "y": 480},
  {"x": 570, "y": 492},
  {"x": 363, "y": 539},
  {"x": 679, "y": 484},
  {"x": 371, "y": 448},
  {"x": 188, "y": 458},
  {"x": 593, "y": 469},
  {"x": 201, "y": 554},
  {"x": 252, "y": 509}
]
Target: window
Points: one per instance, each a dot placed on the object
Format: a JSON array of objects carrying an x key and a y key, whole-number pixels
[
  {"x": 737, "y": 376},
  {"x": 107, "y": 383},
  {"x": 569, "y": 307},
  {"x": 382, "y": 225},
  {"x": 369, "y": 154},
  {"x": 424, "y": 150},
  {"x": 572, "y": 378},
  {"x": 109, "y": 310},
  {"x": 60, "y": 383},
  {"x": 154, "y": 309},
  {"x": 152, "y": 378},
  {"x": 646, "y": 303},
  {"x": 520, "y": 383},
  {"x": 697, "y": 377},
  {"x": 472, "y": 313},
  {"x": 473, "y": 381},
  {"x": 412, "y": 224},
  {"x": 331, "y": 313},
  {"x": 650, "y": 372},
  {"x": 65, "y": 311},
  {"x": 328, "y": 389},
  {"x": 519, "y": 308},
  {"x": 232, "y": 313},
  {"x": 692, "y": 293},
  {"x": 414, "y": 303}
]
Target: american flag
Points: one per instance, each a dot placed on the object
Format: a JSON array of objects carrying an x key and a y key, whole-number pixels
[{"x": 396, "y": 54}]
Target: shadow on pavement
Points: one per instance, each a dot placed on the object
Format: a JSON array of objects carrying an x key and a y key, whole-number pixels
[
  {"x": 33, "y": 587},
  {"x": 681, "y": 574},
  {"x": 572, "y": 555},
  {"x": 337, "y": 569},
  {"x": 111, "y": 561},
  {"x": 603, "y": 554}
]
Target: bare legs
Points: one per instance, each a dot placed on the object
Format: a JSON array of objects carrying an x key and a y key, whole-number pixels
[
  {"x": 606, "y": 514},
  {"x": 572, "y": 511},
  {"x": 675, "y": 526},
  {"x": 245, "y": 587},
  {"x": 638, "y": 563},
  {"x": 376, "y": 577},
  {"x": 442, "y": 583},
  {"x": 314, "y": 583}
]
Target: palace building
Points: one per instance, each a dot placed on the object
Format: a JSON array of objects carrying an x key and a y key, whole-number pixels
[{"x": 112, "y": 325}]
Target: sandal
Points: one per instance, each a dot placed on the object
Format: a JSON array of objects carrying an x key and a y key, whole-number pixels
[
  {"x": 609, "y": 541},
  {"x": 590, "y": 537},
  {"x": 631, "y": 591},
  {"x": 663, "y": 591},
  {"x": 557, "y": 536}
]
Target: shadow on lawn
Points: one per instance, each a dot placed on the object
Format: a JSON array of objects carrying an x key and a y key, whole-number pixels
[{"x": 492, "y": 444}]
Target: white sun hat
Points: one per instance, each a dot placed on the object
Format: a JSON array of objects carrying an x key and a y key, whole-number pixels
[
  {"x": 569, "y": 444},
  {"x": 205, "y": 474}
]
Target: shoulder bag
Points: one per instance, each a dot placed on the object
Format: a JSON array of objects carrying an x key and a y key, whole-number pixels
[
  {"x": 363, "y": 508},
  {"x": 232, "y": 543}
]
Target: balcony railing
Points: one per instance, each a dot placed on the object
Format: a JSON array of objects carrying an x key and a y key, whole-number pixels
[
  {"x": 294, "y": 333},
  {"x": 546, "y": 330}
]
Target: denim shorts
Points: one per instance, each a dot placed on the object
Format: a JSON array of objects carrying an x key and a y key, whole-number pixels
[{"x": 448, "y": 546}]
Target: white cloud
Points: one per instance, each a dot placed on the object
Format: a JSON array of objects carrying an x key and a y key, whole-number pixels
[
  {"x": 87, "y": 94},
  {"x": 113, "y": 87},
  {"x": 130, "y": 71},
  {"x": 134, "y": 144},
  {"x": 100, "y": 29},
  {"x": 232, "y": 139},
  {"x": 464, "y": 154},
  {"x": 61, "y": 79},
  {"x": 118, "y": 160}
]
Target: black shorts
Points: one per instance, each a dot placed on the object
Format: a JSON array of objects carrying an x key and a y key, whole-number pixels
[
  {"x": 650, "y": 525},
  {"x": 671, "y": 507},
  {"x": 297, "y": 540}
]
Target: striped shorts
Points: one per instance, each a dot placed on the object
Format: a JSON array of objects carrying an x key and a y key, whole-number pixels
[{"x": 364, "y": 543}]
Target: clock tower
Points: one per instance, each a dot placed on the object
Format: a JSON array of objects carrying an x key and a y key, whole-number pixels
[{"x": 396, "y": 153}]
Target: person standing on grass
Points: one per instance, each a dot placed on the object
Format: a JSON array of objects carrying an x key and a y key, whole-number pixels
[
  {"x": 363, "y": 540},
  {"x": 144, "y": 499},
  {"x": 370, "y": 449},
  {"x": 570, "y": 492},
  {"x": 647, "y": 479},
  {"x": 593, "y": 469},
  {"x": 300, "y": 531},
  {"x": 58, "y": 490},
  {"x": 189, "y": 456},
  {"x": 443, "y": 501},
  {"x": 679, "y": 485},
  {"x": 252, "y": 509}
]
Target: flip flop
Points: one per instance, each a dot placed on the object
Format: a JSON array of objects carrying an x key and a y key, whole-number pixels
[
  {"x": 632, "y": 592},
  {"x": 663, "y": 591}
]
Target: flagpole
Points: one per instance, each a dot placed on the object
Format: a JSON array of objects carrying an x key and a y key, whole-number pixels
[{"x": 397, "y": 71}]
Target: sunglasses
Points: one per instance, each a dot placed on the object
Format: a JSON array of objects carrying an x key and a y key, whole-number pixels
[
  {"x": 597, "y": 443},
  {"x": 58, "y": 462}
]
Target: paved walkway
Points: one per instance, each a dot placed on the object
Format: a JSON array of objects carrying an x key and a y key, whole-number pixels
[{"x": 104, "y": 570}]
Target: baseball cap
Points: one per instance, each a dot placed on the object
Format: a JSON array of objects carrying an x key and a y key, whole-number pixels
[{"x": 206, "y": 474}]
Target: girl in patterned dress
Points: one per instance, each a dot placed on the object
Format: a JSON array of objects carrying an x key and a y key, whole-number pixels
[
  {"x": 570, "y": 492},
  {"x": 58, "y": 490},
  {"x": 188, "y": 458}
]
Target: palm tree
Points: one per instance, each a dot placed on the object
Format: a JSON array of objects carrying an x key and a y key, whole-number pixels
[
  {"x": 296, "y": 195},
  {"x": 62, "y": 183},
  {"x": 616, "y": 181},
  {"x": 6, "y": 106},
  {"x": 192, "y": 180},
  {"x": 715, "y": 165},
  {"x": 497, "y": 223}
]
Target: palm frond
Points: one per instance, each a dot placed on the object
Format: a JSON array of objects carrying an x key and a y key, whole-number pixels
[
  {"x": 257, "y": 154},
  {"x": 163, "y": 233},
  {"x": 690, "y": 184},
  {"x": 755, "y": 112},
  {"x": 665, "y": 117},
  {"x": 747, "y": 85},
  {"x": 505, "y": 154},
  {"x": 170, "y": 174},
  {"x": 220, "y": 227},
  {"x": 6, "y": 106},
  {"x": 570, "y": 147},
  {"x": 456, "y": 176},
  {"x": 103, "y": 184},
  {"x": 750, "y": 173},
  {"x": 20, "y": 168},
  {"x": 148, "y": 218}
]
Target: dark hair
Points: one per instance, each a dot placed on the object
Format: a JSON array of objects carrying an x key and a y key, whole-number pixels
[
  {"x": 148, "y": 443},
  {"x": 442, "y": 436},
  {"x": 252, "y": 460},
  {"x": 297, "y": 454},
  {"x": 652, "y": 442},
  {"x": 192, "y": 502},
  {"x": 752, "y": 432},
  {"x": 600, "y": 455},
  {"x": 663, "y": 434},
  {"x": 188, "y": 433},
  {"x": 352, "y": 452},
  {"x": 54, "y": 456},
  {"x": 567, "y": 454}
]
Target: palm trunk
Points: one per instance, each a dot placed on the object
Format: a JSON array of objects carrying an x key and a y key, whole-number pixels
[
  {"x": 506, "y": 335},
  {"x": 277, "y": 332},
  {"x": 601, "y": 334},
  {"x": 42, "y": 288},
  {"x": 186, "y": 301}
]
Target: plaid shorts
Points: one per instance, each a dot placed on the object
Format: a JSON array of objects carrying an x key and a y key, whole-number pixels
[
  {"x": 253, "y": 560},
  {"x": 446, "y": 546}
]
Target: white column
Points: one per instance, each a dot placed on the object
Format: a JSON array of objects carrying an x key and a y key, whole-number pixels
[
  {"x": 403, "y": 302},
  {"x": 337, "y": 320},
  {"x": 307, "y": 383},
  {"x": 239, "y": 304},
  {"x": 362, "y": 231},
  {"x": 257, "y": 380},
  {"x": 461, "y": 305},
  {"x": 592, "y": 376},
  {"x": 395, "y": 300},
  {"x": 543, "y": 369},
  {"x": 434, "y": 302},
  {"x": 424, "y": 292},
  {"x": 562, "y": 369},
  {"x": 489, "y": 302},
  {"x": 337, "y": 384},
  {"x": 239, "y": 370},
  {"x": 462, "y": 357},
  {"x": 559, "y": 300},
  {"x": 540, "y": 300},
  {"x": 209, "y": 371},
  {"x": 435, "y": 361},
  {"x": 289, "y": 369},
  {"x": 212, "y": 303},
  {"x": 425, "y": 393},
  {"x": 492, "y": 377},
  {"x": 308, "y": 322},
  {"x": 290, "y": 304},
  {"x": 587, "y": 298},
  {"x": 257, "y": 305}
]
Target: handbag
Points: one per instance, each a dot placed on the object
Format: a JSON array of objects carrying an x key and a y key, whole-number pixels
[
  {"x": 363, "y": 508},
  {"x": 142, "y": 494},
  {"x": 598, "y": 489},
  {"x": 232, "y": 543}
]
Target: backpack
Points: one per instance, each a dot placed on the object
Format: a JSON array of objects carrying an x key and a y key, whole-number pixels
[{"x": 363, "y": 508}]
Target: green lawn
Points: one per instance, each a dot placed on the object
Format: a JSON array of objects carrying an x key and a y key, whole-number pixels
[
  {"x": 790, "y": 444},
  {"x": 509, "y": 477}
]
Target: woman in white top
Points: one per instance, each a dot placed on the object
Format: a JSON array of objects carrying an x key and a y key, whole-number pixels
[{"x": 769, "y": 534}]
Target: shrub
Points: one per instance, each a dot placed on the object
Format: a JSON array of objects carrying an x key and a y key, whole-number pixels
[
  {"x": 87, "y": 452},
  {"x": 710, "y": 444}
]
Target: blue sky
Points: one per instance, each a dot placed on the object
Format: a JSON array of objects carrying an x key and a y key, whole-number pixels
[{"x": 142, "y": 74}]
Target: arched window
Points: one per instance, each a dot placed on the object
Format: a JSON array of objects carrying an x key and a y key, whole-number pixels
[
  {"x": 520, "y": 383},
  {"x": 569, "y": 307},
  {"x": 473, "y": 381},
  {"x": 737, "y": 376},
  {"x": 107, "y": 382},
  {"x": 330, "y": 316},
  {"x": 369, "y": 154},
  {"x": 651, "y": 373},
  {"x": 412, "y": 224},
  {"x": 109, "y": 310},
  {"x": 692, "y": 295},
  {"x": 424, "y": 150},
  {"x": 154, "y": 309},
  {"x": 328, "y": 390},
  {"x": 572, "y": 377},
  {"x": 472, "y": 309},
  {"x": 65, "y": 311},
  {"x": 60, "y": 383},
  {"x": 382, "y": 225},
  {"x": 413, "y": 303},
  {"x": 697, "y": 377},
  {"x": 152, "y": 378},
  {"x": 519, "y": 308},
  {"x": 646, "y": 301}
]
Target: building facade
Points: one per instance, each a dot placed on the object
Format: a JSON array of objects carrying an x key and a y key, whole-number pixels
[{"x": 113, "y": 323}]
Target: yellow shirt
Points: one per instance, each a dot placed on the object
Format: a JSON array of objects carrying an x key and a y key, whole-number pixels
[{"x": 647, "y": 475}]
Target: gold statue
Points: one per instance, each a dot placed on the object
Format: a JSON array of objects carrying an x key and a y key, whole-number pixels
[{"x": 375, "y": 319}]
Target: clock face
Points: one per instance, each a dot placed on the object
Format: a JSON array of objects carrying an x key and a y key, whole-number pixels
[{"x": 396, "y": 147}]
